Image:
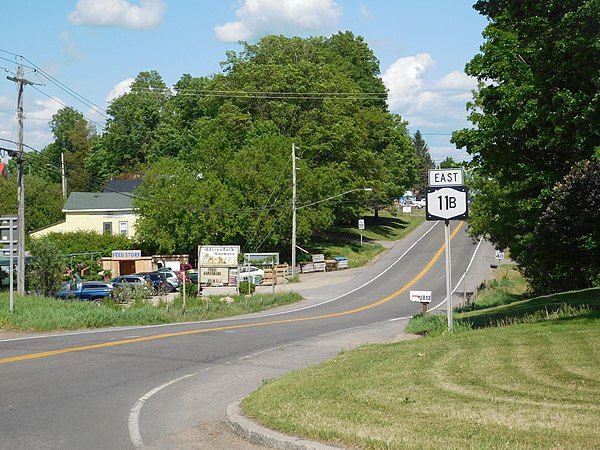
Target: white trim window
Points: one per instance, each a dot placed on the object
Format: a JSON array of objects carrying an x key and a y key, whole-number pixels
[{"x": 124, "y": 228}]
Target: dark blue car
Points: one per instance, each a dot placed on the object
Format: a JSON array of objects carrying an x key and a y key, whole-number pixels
[{"x": 86, "y": 290}]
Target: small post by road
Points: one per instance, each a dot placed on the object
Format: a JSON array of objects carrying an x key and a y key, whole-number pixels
[
  {"x": 424, "y": 312},
  {"x": 183, "y": 306},
  {"x": 361, "y": 226}
]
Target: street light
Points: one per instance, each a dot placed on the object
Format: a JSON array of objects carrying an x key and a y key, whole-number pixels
[{"x": 295, "y": 208}]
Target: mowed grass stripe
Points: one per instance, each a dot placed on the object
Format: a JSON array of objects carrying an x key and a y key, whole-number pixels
[{"x": 526, "y": 386}]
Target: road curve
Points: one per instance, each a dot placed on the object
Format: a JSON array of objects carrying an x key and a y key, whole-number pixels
[{"x": 169, "y": 386}]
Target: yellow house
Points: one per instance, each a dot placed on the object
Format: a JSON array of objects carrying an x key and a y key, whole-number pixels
[{"x": 104, "y": 212}]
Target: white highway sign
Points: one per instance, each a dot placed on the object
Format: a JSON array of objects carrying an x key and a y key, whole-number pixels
[
  {"x": 447, "y": 203},
  {"x": 446, "y": 177}
]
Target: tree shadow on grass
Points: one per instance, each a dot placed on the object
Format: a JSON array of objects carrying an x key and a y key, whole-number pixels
[
  {"x": 583, "y": 304},
  {"x": 386, "y": 227}
]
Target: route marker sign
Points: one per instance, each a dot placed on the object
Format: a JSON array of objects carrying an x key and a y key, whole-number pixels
[
  {"x": 361, "y": 224},
  {"x": 446, "y": 177},
  {"x": 447, "y": 203}
]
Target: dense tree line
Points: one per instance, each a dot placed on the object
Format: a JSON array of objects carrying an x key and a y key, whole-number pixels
[
  {"x": 214, "y": 151},
  {"x": 535, "y": 114}
]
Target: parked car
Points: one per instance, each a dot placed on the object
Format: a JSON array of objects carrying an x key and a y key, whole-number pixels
[
  {"x": 132, "y": 282},
  {"x": 193, "y": 275},
  {"x": 255, "y": 274},
  {"x": 159, "y": 283},
  {"x": 185, "y": 267},
  {"x": 181, "y": 274},
  {"x": 171, "y": 278},
  {"x": 86, "y": 290}
]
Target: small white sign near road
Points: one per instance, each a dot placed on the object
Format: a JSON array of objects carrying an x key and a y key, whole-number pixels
[
  {"x": 447, "y": 203},
  {"x": 361, "y": 224},
  {"x": 420, "y": 296},
  {"x": 446, "y": 177}
]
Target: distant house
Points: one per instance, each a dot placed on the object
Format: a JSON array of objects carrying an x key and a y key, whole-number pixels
[{"x": 104, "y": 212}]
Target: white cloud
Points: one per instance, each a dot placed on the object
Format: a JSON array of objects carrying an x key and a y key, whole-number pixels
[
  {"x": 456, "y": 80},
  {"x": 118, "y": 13},
  {"x": 123, "y": 87},
  {"x": 404, "y": 79},
  {"x": 44, "y": 109},
  {"x": 69, "y": 48},
  {"x": 271, "y": 16},
  {"x": 435, "y": 105}
]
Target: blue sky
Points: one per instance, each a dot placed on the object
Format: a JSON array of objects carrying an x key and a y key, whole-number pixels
[{"x": 92, "y": 49}]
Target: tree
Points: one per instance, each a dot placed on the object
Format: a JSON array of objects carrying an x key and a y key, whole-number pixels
[
  {"x": 425, "y": 162},
  {"x": 46, "y": 268},
  {"x": 130, "y": 133},
  {"x": 38, "y": 214},
  {"x": 73, "y": 136},
  {"x": 241, "y": 144},
  {"x": 534, "y": 113},
  {"x": 571, "y": 223}
]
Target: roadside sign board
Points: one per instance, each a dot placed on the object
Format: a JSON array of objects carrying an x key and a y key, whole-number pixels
[
  {"x": 499, "y": 255},
  {"x": 361, "y": 224},
  {"x": 447, "y": 203},
  {"x": 420, "y": 296},
  {"x": 446, "y": 177}
]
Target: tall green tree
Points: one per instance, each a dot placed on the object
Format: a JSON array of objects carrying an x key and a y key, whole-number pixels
[
  {"x": 130, "y": 132},
  {"x": 425, "y": 160},
  {"x": 535, "y": 112},
  {"x": 38, "y": 213}
]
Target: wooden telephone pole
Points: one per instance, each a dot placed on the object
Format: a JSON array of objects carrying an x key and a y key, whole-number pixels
[{"x": 20, "y": 184}]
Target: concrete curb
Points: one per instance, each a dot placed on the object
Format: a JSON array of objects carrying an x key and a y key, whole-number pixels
[{"x": 260, "y": 435}]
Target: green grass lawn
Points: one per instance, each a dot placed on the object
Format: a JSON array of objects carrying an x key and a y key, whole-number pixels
[
  {"x": 521, "y": 374},
  {"x": 35, "y": 313}
]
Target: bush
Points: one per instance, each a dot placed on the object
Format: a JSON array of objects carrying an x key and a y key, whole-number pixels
[{"x": 246, "y": 287}]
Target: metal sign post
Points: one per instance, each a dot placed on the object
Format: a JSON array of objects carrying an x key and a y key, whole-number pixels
[
  {"x": 448, "y": 275},
  {"x": 11, "y": 262},
  {"x": 361, "y": 226}
]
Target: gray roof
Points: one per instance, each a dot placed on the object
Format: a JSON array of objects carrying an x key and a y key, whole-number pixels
[{"x": 98, "y": 201}]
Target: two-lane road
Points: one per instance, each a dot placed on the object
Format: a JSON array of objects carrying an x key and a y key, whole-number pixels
[{"x": 148, "y": 386}]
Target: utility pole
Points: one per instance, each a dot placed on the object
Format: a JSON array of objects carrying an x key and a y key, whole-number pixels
[
  {"x": 294, "y": 208},
  {"x": 20, "y": 184},
  {"x": 63, "y": 175}
]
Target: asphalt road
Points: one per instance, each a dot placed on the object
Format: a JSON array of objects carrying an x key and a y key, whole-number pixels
[{"x": 169, "y": 386}]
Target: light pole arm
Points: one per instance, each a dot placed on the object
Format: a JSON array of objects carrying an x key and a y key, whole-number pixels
[{"x": 334, "y": 196}]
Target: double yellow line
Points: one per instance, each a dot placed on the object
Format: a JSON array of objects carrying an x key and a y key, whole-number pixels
[{"x": 233, "y": 327}]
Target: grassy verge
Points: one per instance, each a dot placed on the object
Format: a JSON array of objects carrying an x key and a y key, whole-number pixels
[
  {"x": 34, "y": 313},
  {"x": 523, "y": 373}
]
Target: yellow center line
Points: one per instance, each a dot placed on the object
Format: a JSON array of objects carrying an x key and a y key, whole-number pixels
[{"x": 235, "y": 327}]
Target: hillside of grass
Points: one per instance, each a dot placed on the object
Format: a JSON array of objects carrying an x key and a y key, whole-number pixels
[
  {"x": 344, "y": 240},
  {"x": 521, "y": 373}
]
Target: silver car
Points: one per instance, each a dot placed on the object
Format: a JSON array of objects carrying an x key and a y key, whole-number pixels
[{"x": 171, "y": 278}]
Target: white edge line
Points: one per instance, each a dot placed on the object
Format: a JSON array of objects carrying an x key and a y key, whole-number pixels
[
  {"x": 134, "y": 413},
  {"x": 456, "y": 287},
  {"x": 229, "y": 319}
]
